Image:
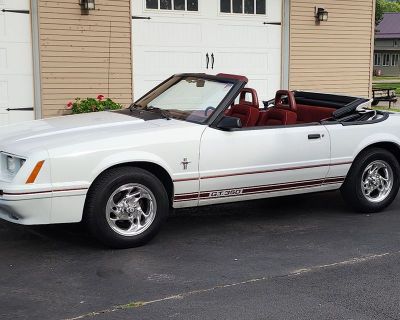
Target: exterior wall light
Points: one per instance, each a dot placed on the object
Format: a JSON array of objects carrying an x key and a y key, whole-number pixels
[
  {"x": 321, "y": 14},
  {"x": 87, "y": 5}
]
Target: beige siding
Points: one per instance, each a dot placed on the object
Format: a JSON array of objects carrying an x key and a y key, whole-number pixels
[
  {"x": 334, "y": 56},
  {"x": 84, "y": 55}
]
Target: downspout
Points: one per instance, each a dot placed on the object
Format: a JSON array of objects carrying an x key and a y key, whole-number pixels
[
  {"x": 37, "y": 91},
  {"x": 285, "y": 44}
]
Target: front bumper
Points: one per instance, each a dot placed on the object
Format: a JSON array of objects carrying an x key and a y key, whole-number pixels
[
  {"x": 43, "y": 206},
  {"x": 26, "y": 211}
]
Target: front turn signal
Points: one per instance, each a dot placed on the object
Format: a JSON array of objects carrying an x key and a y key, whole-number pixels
[{"x": 35, "y": 172}]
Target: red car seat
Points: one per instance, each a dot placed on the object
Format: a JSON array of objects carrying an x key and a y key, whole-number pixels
[
  {"x": 282, "y": 113},
  {"x": 247, "y": 111}
]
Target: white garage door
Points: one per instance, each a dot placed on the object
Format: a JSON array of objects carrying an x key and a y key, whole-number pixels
[
  {"x": 210, "y": 36},
  {"x": 16, "y": 71}
]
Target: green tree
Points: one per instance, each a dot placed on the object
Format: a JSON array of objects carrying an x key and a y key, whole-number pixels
[
  {"x": 379, "y": 11},
  {"x": 383, "y": 6}
]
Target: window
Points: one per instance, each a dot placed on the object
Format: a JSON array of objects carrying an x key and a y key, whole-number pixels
[
  {"x": 377, "y": 59},
  {"x": 395, "y": 59},
  {"x": 178, "y": 5},
  {"x": 386, "y": 59},
  {"x": 243, "y": 6}
]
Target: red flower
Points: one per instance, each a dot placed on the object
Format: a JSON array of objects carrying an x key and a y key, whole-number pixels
[
  {"x": 70, "y": 105},
  {"x": 100, "y": 97}
]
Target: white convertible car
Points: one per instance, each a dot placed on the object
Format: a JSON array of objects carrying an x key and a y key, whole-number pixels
[{"x": 195, "y": 140}]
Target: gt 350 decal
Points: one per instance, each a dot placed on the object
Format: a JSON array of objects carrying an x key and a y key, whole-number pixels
[
  {"x": 225, "y": 193},
  {"x": 257, "y": 189}
]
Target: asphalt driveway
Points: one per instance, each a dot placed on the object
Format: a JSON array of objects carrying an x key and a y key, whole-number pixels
[{"x": 302, "y": 257}]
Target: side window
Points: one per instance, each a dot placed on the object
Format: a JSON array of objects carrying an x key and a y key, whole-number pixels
[
  {"x": 386, "y": 59},
  {"x": 176, "y": 5},
  {"x": 377, "y": 59},
  {"x": 243, "y": 6},
  {"x": 395, "y": 59}
]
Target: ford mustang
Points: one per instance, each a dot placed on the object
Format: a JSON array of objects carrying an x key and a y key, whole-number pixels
[{"x": 195, "y": 140}]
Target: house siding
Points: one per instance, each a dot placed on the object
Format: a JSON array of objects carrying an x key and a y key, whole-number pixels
[
  {"x": 84, "y": 55},
  {"x": 333, "y": 56}
]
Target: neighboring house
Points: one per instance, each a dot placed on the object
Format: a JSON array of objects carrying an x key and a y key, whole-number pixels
[
  {"x": 387, "y": 46},
  {"x": 52, "y": 52}
]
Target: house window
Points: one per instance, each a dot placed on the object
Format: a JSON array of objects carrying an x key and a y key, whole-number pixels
[
  {"x": 177, "y": 5},
  {"x": 377, "y": 59},
  {"x": 395, "y": 59},
  {"x": 386, "y": 59},
  {"x": 243, "y": 6}
]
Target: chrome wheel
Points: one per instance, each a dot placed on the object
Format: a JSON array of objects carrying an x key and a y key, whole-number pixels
[
  {"x": 131, "y": 209},
  {"x": 377, "y": 181}
]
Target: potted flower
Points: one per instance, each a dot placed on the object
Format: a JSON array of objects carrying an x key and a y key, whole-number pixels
[{"x": 92, "y": 105}]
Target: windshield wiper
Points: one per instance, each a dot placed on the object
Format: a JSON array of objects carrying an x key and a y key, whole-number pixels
[{"x": 164, "y": 113}]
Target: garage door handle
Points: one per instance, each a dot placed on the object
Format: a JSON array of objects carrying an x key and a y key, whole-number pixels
[
  {"x": 15, "y": 11},
  {"x": 207, "y": 59},
  {"x": 212, "y": 61},
  {"x": 314, "y": 136}
]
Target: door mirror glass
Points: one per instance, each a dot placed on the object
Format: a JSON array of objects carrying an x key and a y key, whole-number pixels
[{"x": 229, "y": 123}]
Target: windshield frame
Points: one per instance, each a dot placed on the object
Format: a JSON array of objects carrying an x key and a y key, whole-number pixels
[{"x": 238, "y": 84}]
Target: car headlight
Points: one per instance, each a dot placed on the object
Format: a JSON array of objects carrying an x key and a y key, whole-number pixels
[{"x": 13, "y": 163}]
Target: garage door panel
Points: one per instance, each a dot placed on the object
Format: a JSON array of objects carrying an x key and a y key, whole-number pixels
[
  {"x": 245, "y": 62},
  {"x": 14, "y": 25},
  {"x": 168, "y": 61},
  {"x": 249, "y": 36},
  {"x": 12, "y": 94},
  {"x": 3, "y": 118},
  {"x": 15, "y": 58},
  {"x": 167, "y": 33}
]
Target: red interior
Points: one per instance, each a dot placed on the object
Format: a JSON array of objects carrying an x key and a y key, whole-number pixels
[
  {"x": 307, "y": 114},
  {"x": 285, "y": 111}
]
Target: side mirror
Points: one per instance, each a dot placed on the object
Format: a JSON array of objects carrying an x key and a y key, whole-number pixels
[{"x": 229, "y": 123}]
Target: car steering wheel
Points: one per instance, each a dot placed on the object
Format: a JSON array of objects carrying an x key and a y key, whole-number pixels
[{"x": 208, "y": 110}]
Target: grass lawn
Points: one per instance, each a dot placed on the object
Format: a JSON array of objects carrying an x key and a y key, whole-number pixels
[
  {"x": 386, "y": 109},
  {"x": 394, "y": 78},
  {"x": 387, "y": 86}
]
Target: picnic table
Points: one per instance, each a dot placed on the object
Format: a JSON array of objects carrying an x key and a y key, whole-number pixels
[{"x": 387, "y": 94}]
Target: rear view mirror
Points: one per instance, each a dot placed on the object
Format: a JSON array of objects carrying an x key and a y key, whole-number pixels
[{"x": 229, "y": 123}]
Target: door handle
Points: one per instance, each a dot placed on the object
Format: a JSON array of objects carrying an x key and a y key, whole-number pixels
[
  {"x": 212, "y": 61},
  {"x": 314, "y": 136},
  {"x": 207, "y": 59}
]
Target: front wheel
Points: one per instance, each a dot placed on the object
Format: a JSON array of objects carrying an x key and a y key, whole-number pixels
[
  {"x": 126, "y": 207},
  {"x": 373, "y": 181}
]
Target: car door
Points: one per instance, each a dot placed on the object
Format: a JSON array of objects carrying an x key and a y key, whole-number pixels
[{"x": 262, "y": 162}]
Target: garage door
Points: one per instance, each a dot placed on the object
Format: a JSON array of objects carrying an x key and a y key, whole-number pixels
[
  {"x": 211, "y": 36},
  {"x": 16, "y": 71}
]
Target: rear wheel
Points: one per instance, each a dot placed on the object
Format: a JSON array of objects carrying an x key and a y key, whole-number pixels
[
  {"x": 126, "y": 207},
  {"x": 373, "y": 181}
]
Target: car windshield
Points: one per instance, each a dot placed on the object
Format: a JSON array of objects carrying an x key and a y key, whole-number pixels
[{"x": 188, "y": 98}]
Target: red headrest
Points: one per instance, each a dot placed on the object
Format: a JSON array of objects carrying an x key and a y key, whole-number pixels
[
  {"x": 291, "y": 100},
  {"x": 254, "y": 98},
  {"x": 233, "y": 76}
]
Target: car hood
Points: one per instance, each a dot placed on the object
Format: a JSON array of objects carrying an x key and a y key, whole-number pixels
[{"x": 24, "y": 137}]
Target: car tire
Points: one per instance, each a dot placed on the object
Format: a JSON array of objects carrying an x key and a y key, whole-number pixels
[
  {"x": 363, "y": 188},
  {"x": 126, "y": 207}
]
